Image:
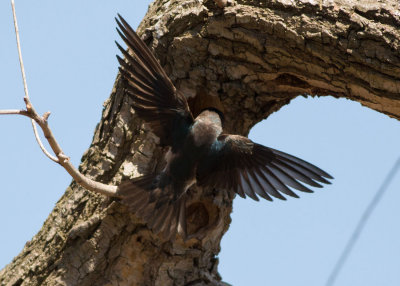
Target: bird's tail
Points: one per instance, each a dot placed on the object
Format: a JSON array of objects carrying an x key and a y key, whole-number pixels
[{"x": 158, "y": 207}]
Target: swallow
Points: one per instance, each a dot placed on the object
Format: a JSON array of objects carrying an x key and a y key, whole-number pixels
[{"x": 199, "y": 152}]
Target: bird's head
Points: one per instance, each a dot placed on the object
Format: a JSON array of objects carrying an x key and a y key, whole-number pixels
[{"x": 213, "y": 110}]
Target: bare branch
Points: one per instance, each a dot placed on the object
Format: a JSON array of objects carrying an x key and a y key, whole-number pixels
[
  {"x": 55, "y": 159},
  {"x": 46, "y": 115},
  {"x": 21, "y": 63},
  {"x": 14, "y": 111},
  {"x": 19, "y": 49},
  {"x": 61, "y": 158}
]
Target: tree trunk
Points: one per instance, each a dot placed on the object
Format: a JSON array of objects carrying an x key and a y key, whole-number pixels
[{"x": 250, "y": 58}]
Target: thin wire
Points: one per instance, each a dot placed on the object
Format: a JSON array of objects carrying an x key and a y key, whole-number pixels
[{"x": 361, "y": 224}]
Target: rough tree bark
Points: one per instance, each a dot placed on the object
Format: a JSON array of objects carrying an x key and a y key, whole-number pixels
[{"x": 254, "y": 56}]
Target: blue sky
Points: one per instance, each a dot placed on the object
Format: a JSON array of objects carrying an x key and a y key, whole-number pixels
[{"x": 69, "y": 55}]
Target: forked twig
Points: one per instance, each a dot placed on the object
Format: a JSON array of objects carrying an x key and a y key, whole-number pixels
[
  {"x": 21, "y": 64},
  {"x": 42, "y": 121}
]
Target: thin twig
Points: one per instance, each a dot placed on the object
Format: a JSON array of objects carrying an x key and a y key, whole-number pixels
[
  {"x": 61, "y": 158},
  {"x": 15, "y": 111},
  {"x": 21, "y": 64},
  {"x": 41, "y": 144}
]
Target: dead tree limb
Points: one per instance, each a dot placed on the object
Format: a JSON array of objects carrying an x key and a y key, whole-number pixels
[{"x": 255, "y": 56}]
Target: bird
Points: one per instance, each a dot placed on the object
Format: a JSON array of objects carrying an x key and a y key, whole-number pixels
[{"x": 198, "y": 151}]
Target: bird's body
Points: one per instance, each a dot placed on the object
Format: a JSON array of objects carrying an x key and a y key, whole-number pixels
[
  {"x": 168, "y": 188},
  {"x": 181, "y": 164},
  {"x": 201, "y": 135},
  {"x": 198, "y": 150}
]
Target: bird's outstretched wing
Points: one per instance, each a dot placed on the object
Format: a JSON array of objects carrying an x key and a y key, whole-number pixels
[
  {"x": 238, "y": 164},
  {"x": 155, "y": 99}
]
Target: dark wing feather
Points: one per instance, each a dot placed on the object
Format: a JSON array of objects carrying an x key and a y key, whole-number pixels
[
  {"x": 158, "y": 207},
  {"x": 154, "y": 97},
  {"x": 238, "y": 164}
]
